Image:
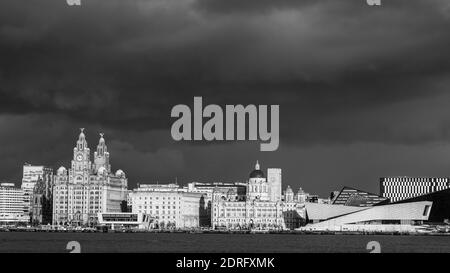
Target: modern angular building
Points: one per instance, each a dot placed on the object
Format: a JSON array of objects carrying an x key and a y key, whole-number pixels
[
  {"x": 87, "y": 188},
  {"x": 440, "y": 211},
  {"x": 404, "y": 217},
  {"x": 358, "y": 198},
  {"x": 404, "y": 187},
  {"x": 125, "y": 220}
]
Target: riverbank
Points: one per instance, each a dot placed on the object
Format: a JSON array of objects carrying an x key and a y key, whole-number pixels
[{"x": 207, "y": 231}]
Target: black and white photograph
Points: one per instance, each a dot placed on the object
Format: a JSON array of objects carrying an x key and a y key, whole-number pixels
[{"x": 246, "y": 127}]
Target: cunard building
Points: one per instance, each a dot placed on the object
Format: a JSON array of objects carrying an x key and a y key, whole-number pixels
[
  {"x": 87, "y": 188},
  {"x": 263, "y": 207}
]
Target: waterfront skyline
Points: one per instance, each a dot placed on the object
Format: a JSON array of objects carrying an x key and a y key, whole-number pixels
[
  {"x": 356, "y": 103},
  {"x": 234, "y": 177}
]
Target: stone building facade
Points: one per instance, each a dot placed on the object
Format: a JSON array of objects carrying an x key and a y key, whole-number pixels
[
  {"x": 87, "y": 188},
  {"x": 170, "y": 206},
  {"x": 263, "y": 208}
]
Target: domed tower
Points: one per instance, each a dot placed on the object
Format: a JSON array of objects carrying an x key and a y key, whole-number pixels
[
  {"x": 102, "y": 171},
  {"x": 120, "y": 174},
  {"x": 61, "y": 171},
  {"x": 300, "y": 196},
  {"x": 101, "y": 156},
  {"x": 258, "y": 188},
  {"x": 289, "y": 194}
]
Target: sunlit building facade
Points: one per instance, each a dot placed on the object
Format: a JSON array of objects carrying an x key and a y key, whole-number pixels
[
  {"x": 13, "y": 205},
  {"x": 170, "y": 206},
  {"x": 262, "y": 209},
  {"x": 87, "y": 188}
]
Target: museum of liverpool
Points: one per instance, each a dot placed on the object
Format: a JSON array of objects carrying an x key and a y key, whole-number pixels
[{"x": 353, "y": 210}]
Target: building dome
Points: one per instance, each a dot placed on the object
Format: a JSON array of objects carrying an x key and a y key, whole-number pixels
[
  {"x": 257, "y": 173},
  {"x": 61, "y": 171},
  {"x": 120, "y": 173},
  {"x": 101, "y": 171},
  {"x": 289, "y": 189}
]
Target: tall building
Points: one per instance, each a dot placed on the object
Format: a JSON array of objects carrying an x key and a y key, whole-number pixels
[
  {"x": 403, "y": 187},
  {"x": 274, "y": 179},
  {"x": 31, "y": 176},
  {"x": 87, "y": 188},
  {"x": 13, "y": 205}
]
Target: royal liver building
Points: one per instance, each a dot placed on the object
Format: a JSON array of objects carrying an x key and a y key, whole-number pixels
[{"x": 87, "y": 188}]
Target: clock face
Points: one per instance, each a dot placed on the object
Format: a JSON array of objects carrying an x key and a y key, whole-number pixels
[{"x": 79, "y": 157}]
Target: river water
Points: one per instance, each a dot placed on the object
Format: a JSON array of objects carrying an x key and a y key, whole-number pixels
[{"x": 216, "y": 243}]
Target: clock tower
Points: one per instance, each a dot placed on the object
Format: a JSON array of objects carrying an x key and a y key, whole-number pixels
[
  {"x": 88, "y": 187},
  {"x": 81, "y": 163}
]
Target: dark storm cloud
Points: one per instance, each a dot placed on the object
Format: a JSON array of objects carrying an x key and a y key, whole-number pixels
[
  {"x": 251, "y": 6},
  {"x": 343, "y": 72},
  {"x": 130, "y": 62}
]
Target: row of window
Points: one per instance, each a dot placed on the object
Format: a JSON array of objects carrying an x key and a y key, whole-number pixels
[
  {"x": 245, "y": 209},
  {"x": 244, "y": 215},
  {"x": 242, "y": 204},
  {"x": 255, "y": 220},
  {"x": 257, "y": 188},
  {"x": 93, "y": 211},
  {"x": 414, "y": 179},
  {"x": 157, "y": 207},
  {"x": 157, "y": 211},
  {"x": 157, "y": 198}
]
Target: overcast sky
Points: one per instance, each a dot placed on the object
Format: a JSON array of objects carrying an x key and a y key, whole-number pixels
[{"x": 364, "y": 91}]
